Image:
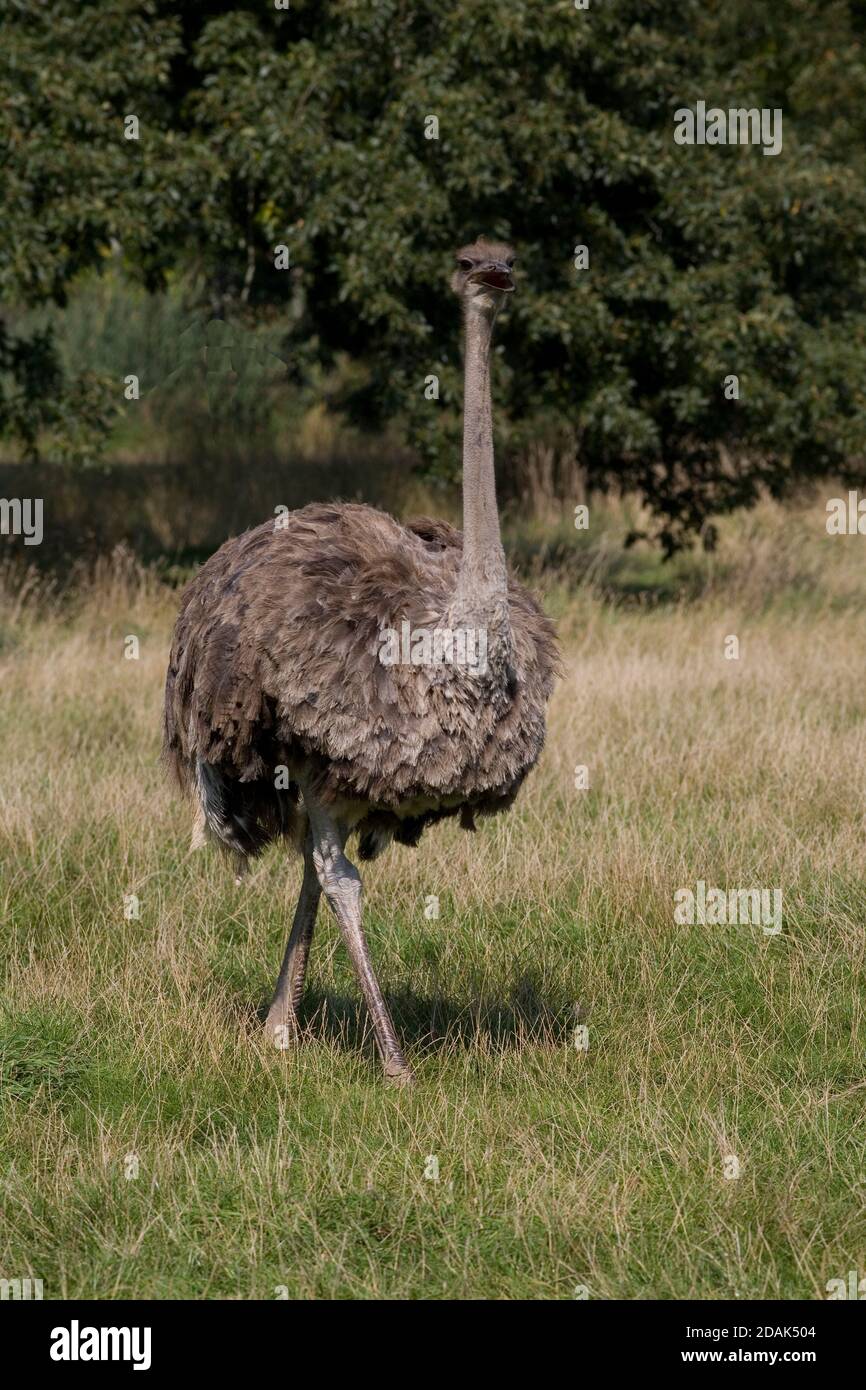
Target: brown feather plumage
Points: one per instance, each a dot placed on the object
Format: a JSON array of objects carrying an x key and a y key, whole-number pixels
[{"x": 275, "y": 663}]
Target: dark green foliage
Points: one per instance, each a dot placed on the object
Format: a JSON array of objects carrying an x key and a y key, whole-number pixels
[{"x": 306, "y": 128}]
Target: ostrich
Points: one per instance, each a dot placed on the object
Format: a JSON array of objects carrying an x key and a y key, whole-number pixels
[{"x": 305, "y": 699}]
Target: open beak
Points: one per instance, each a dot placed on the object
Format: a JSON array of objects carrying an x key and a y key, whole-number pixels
[{"x": 495, "y": 277}]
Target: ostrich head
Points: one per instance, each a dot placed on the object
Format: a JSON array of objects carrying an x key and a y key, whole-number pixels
[{"x": 484, "y": 274}]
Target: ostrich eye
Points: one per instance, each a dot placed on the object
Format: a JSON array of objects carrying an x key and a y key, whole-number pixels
[
  {"x": 510, "y": 261},
  {"x": 464, "y": 264}
]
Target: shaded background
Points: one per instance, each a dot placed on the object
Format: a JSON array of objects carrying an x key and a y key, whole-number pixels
[{"x": 298, "y": 138}]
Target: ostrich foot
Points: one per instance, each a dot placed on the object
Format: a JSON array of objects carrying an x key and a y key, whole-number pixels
[
  {"x": 281, "y": 1028},
  {"x": 399, "y": 1073}
]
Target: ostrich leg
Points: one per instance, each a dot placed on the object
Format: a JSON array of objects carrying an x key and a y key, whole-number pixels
[
  {"x": 341, "y": 884},
  {"x": 282, "y": 1020}
]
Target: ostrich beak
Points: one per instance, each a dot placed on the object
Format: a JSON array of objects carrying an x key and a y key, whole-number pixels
[{"x": 495, "y": 277}]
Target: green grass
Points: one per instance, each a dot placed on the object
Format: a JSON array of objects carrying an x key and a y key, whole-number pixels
[{"x": 154, "y": 1146}]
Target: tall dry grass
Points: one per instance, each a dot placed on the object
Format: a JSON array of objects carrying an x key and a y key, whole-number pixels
[{"x": 155, "y": 1147}]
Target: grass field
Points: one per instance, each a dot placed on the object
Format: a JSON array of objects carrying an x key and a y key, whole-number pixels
[{"x": 154, "y": 1146}]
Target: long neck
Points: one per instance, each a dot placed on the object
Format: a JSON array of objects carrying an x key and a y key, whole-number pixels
[{"x": 482, "y": 586}]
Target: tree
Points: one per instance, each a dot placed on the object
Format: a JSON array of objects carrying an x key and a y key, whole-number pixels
[
  {"x": 369, "y": 140},
  {"x": 71, "y": 186}
]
